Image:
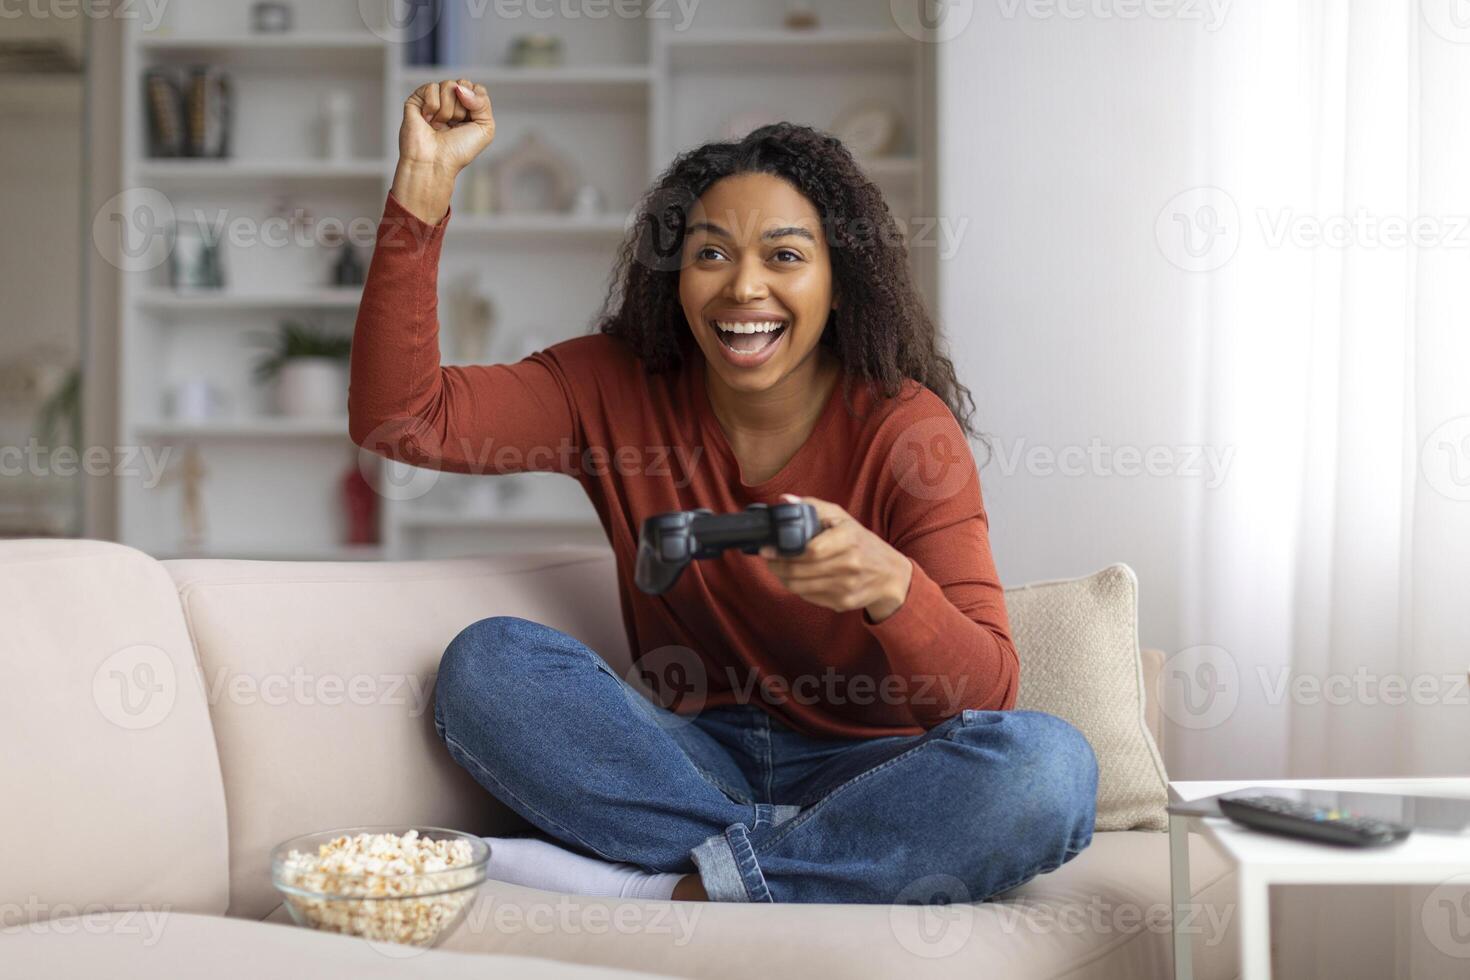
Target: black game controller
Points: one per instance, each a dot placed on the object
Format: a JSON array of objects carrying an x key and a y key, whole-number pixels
[{"x": 670, "y": 541}]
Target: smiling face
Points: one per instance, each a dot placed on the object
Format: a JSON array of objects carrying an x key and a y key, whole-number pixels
[{"x": 756, "y": 279}]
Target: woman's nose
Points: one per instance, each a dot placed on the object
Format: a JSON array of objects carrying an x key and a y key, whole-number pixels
[{"x": 747, "y": 285}]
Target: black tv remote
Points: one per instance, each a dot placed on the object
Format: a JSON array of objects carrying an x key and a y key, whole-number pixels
[{"x": 1279, "y": 815}]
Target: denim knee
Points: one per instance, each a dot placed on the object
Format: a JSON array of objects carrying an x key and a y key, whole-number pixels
[
  {"x": 1040, "y": 744},
  {"x": 1065, "y": 754},
  {"x": 475, "y": 659}
]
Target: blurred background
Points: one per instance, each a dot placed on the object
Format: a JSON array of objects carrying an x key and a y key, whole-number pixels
[{"x": 1203, "y": 264}]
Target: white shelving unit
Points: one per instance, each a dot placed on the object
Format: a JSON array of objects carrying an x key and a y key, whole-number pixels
[{"x": 631, "y": 94}]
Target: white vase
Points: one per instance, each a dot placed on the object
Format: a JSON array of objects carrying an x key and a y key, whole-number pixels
[{"x": 312, "y": 386}]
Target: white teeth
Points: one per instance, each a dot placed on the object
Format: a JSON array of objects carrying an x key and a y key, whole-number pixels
[{"x": 763, "y": 326}]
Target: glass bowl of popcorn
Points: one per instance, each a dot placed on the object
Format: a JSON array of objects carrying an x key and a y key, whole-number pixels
[{"x": 387, "y": 884}]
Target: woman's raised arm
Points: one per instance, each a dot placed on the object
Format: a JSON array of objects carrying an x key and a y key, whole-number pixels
[{"x": 499, "y": 418}]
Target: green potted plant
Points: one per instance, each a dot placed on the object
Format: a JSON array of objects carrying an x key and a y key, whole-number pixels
[{"x": 308, "y": 364}]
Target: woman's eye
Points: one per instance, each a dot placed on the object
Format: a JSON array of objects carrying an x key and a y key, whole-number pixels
[
  {"x": 707, "y": 251},
  {"x": 793, "y": 256}
]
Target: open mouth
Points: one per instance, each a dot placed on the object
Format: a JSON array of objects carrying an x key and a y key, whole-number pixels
[{"x": 749, "y": 337}]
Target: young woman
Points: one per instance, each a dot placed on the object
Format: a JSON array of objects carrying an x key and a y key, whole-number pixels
[{"x": 833, "y": 727}]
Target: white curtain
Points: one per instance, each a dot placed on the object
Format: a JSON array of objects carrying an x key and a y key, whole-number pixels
[{"x": 1329, "y": 599}]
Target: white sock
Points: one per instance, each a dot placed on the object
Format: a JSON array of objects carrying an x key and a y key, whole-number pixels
[{"x": 536, "y": 863}]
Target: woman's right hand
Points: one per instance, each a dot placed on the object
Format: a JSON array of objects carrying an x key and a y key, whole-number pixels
[{"x": 445, "y": 126}]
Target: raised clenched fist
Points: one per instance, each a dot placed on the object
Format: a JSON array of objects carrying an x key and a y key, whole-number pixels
[{"x": 446, "y": 125}]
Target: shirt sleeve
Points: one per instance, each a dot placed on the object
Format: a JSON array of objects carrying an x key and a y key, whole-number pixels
[
  {"x": 949, "y": 641},
  {"x": 402, "y": 404}
]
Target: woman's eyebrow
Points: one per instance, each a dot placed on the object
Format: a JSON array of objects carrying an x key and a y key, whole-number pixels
[{"x": 788, "y": 232}]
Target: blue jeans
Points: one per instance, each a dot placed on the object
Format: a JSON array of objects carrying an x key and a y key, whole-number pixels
[{"x": 973, "y": 807}]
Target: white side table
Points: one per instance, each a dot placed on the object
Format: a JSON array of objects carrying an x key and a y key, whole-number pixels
[{"x": 1262, "y": 860}]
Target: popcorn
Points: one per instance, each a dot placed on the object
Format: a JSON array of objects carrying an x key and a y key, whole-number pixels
[{"x": 384, "y": 887}]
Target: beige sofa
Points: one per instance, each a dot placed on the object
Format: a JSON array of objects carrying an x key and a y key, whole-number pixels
[{"x": 166, "y": 723}]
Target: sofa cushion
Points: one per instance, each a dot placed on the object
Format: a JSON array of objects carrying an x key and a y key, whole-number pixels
[
  {"x": 320, "y": 678},
  {"x": 1104, "y": 914},
  {"x": 131, "y": 946},
  {"x": 1078, "y": 644},
  {"x": 108, "y": 752}
]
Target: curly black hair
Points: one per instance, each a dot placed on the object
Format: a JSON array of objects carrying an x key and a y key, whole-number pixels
[{"x": 880, "y": 331}]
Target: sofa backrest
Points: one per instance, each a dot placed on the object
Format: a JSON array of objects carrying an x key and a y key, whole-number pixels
[
  {"x": 113, "y": 795},
  {"x": 305, "y": 703},
  {"x": 320, "y": 680}
]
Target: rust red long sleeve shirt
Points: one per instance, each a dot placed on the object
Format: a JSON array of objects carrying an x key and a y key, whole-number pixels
[{"x": 729, "y": 631}]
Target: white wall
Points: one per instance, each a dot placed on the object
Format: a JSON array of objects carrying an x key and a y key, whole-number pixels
[{"x": 1060, "y": 141}]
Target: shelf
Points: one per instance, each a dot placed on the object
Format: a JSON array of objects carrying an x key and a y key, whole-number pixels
[
  {"x": 316, "y": 51},
  {"x": 225, "y": 301},
  {"x": 262, "y": 428},
  {"x": 572, "y": 86},
  {"x": 523, "y": 226},
  {"x": 211, "y": 172},
  {"x": 858, "y": 50}
]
